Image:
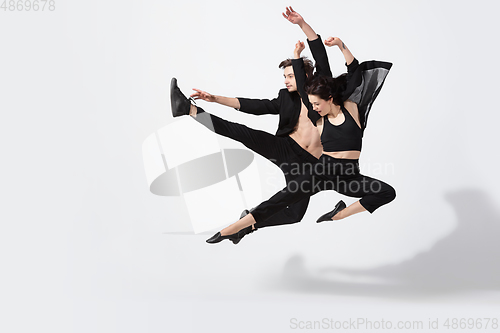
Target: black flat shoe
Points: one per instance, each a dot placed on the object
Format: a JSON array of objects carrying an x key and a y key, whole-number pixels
[
  {"x": 235, "y": 238},
  {"x": 219, "y": 238},
  {"x": 180, "y": 104},
  {"x": 328, "y": 216}
]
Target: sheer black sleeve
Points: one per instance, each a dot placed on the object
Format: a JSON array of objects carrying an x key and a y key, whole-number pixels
[{"x": 364, "y": 82}]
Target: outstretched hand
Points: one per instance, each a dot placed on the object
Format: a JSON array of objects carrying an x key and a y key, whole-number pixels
[
  {"x": 292, "y": 16},
  {"x": 200, "y": 94},
  {"x": 299, "y": 47},
  {"x": 331, "y": 41}
]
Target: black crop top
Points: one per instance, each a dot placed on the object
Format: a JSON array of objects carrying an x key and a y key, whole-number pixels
[{"x": 343, "y": 137}]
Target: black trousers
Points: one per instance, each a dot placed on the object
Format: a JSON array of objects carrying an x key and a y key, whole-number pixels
[
  {"x": 288, "y": 155},
  {"x": 341, "y": 175}
]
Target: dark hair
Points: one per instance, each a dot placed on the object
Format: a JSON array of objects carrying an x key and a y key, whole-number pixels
[
  {"x": 308, "y": 65},
  {"x": 326, "y": 87}
]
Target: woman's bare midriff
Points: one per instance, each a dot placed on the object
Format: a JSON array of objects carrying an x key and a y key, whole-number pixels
[{"x": 350, "y": 154}]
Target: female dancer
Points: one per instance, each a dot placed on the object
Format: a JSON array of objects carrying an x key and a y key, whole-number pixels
[{"x": 343, "y": 104}]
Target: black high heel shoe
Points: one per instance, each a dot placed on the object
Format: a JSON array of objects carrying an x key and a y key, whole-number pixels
[{"x": 328, "y": 216}]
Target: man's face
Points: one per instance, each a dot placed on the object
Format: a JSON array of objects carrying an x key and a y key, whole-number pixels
[{"x": 290, "y": 79}]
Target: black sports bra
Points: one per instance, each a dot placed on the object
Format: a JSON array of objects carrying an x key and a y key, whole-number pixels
[{"x": 343, "y": 137}]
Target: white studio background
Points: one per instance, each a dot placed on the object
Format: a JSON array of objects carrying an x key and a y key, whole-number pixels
[{"x": 85, "y": 247}]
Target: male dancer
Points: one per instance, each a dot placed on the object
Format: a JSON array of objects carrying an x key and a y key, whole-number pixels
[{"x": 296, "y": 143}]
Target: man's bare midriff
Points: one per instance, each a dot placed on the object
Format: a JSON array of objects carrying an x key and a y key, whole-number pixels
[{"x": 307, "y": 135}]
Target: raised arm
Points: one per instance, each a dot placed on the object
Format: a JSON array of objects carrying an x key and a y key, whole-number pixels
[
  {"x": 364, "y": 80},
  {"x": 332, "y": 41},
  {"x": 247, "y": 105},
  {"x": 317, "y": 48},
  {"x": 299, "y": 71},
  {"x": 296, "y": 18},
  {"x": 300, "y": 80}
]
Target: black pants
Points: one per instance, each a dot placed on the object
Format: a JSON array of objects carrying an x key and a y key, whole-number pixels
[
  {"x": 288, "y": 155},
  {"x": 341, "y": 175}
]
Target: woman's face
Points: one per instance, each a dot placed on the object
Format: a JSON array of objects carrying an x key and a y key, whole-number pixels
[{"x": 320, "y": 105}]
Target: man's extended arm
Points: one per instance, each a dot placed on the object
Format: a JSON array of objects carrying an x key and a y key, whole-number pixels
[
  {"x": 247, "y": 105},
  {"x": 227, "y": 101}
]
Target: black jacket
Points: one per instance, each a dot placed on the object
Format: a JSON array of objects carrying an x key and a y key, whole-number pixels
[{"x": 287, "y": 104}]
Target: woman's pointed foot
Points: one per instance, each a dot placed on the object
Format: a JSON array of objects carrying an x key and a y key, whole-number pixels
[
  {"x": 219, "y": 238},
  {"x": 235, "y": 238},
  {"x": 328, "y": 216}
]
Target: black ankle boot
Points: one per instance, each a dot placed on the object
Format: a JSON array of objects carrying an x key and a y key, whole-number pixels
[
  {"x": 328, "y": 216},
  {"x": 180, "y": 104}
]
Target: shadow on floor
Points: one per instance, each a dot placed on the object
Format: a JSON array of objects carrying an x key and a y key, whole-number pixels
[{"x": 466, "y": 260}]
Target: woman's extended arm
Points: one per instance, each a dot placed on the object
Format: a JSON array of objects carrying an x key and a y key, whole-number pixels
[{"x": 331, "y": 41}]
